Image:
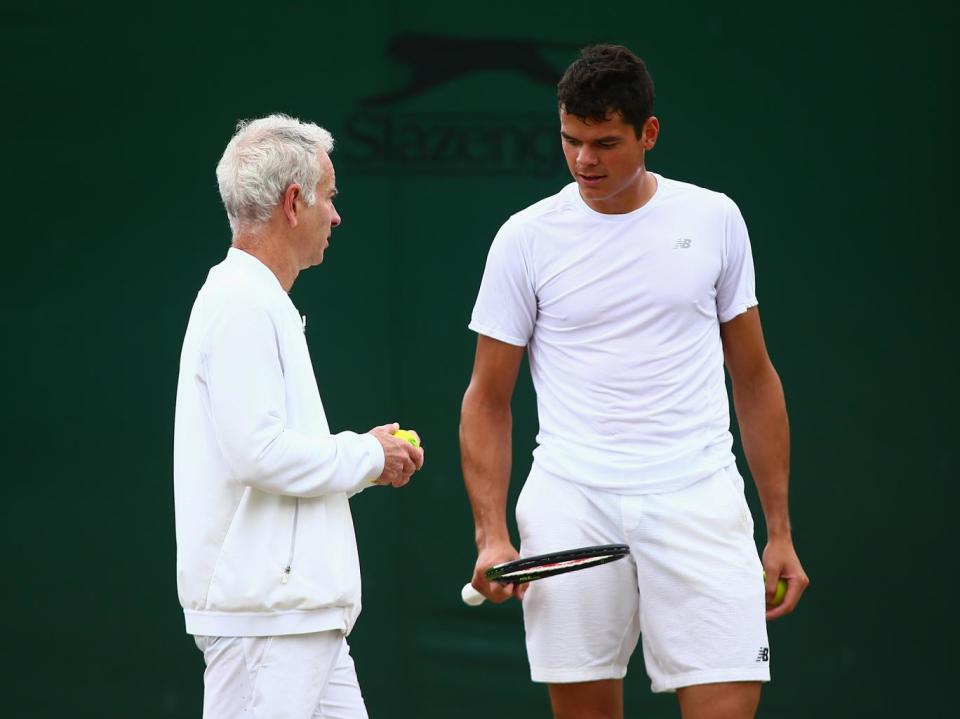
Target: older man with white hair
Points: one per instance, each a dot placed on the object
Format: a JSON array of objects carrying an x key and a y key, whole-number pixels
[{"x": 267, "y": 568}]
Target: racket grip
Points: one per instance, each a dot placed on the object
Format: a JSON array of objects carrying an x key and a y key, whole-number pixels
[{"x": 470, "y": 596}]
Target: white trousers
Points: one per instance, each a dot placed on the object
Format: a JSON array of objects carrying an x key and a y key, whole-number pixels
[{"x": 295, "y": 676}]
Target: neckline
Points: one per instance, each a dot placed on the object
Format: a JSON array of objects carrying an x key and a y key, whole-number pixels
[
  {"x": 258, "y": 268},
  {"x": 622, "y": 216}
]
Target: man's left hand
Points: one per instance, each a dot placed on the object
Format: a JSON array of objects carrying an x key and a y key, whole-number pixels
[{"x": 780, "y": 561}]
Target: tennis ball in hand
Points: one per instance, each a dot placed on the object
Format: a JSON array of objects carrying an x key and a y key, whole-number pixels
[
  {"x": 407, "y": 436},
  {"x": 779, "y": 594}
]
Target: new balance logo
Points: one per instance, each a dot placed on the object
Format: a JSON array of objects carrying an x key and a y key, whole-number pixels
[
  {"x": 683, "y": 243},
  {"x": 763, "y": 655}
]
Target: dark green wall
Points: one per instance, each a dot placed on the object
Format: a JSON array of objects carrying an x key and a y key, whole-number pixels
[{"x": 831, "y": 124}]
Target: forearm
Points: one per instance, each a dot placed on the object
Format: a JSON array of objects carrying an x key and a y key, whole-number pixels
[
  {"x": 279, "y": 460},
  {"x": 764, "y": 432},
  {"x": 485, "y": 451},
  {"x": 762, "y": 416}
]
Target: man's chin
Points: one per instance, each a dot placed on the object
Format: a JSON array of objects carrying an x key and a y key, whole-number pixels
[{"x": 592, "y": 192}]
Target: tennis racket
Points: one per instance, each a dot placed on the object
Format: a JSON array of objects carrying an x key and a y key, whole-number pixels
[{"x": 529, "y": 569}]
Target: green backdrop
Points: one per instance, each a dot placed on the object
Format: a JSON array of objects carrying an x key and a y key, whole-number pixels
[{"x": 831, "y": 124}]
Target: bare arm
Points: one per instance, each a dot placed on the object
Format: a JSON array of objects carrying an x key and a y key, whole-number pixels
[
  {"x": 485, "y": 451},
  {"x": 762, "y": 417}
]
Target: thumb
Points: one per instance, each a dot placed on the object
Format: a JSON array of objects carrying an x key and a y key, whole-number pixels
[{"x": 770, "y": 583}]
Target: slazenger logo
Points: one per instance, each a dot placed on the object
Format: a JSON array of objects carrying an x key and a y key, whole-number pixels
[{"x": 380, "y": 137}]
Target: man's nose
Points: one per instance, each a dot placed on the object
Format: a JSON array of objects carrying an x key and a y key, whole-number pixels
[
  {"x": 586, "y": 156},
  {"x": 335, "y": 218}
]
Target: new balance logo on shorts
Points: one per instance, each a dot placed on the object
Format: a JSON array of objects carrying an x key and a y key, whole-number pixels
[
  {"x": 763, "y": 655},
  {"x": 683, "y": 243}
]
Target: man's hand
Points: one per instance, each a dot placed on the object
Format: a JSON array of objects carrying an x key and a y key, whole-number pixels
[
  {"x": 780, "y": 561},
  {"x": 495, "y": 591},
  {"x": 400, "y": 458}
]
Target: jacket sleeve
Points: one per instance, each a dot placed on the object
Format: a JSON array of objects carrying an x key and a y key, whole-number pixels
[{"x": 245, "y": 385}]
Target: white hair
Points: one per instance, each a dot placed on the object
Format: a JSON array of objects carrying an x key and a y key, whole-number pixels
[{"x": 262, "y": 159}]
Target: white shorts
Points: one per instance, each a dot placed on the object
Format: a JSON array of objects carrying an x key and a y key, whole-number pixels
[
  {"x": 294, "y": 676},
  {"x": 692, "y": 585}
]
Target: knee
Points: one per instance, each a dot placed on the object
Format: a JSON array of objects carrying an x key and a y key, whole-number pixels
[{"x": 587, "y": 700}]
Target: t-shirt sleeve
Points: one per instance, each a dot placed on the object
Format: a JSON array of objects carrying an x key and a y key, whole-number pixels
[
  {"x": 736, "y": 286},
  {"x": 506, "y": 306}
]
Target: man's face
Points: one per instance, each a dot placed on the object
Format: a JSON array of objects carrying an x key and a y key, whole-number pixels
[
  {"x": 607, "y": 159},
  {"x": 318, "y": 221}
]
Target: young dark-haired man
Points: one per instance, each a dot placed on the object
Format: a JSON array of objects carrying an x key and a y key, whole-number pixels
[{"x": 630, "y": 290}]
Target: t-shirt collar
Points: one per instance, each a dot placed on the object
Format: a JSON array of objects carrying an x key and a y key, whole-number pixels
[{"x": 578, "y": 200}]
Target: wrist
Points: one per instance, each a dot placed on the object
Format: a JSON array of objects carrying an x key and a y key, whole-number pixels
[
  {"x": 779, "y": 531},
  {"x": 491, "y": 537}
]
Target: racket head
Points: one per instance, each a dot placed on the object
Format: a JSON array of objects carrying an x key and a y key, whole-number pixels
[{"x": 528, "y": 569}]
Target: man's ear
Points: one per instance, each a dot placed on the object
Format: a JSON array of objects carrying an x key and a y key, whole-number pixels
[
  {"x": 289, "y": 204},
  {"x": 650, "y": 133}
]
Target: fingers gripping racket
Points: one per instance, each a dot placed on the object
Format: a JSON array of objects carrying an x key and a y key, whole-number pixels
[{"x": 529, "y": 569}]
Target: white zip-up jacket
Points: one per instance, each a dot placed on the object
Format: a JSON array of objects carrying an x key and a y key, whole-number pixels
[{"x": 265, "y": 540}]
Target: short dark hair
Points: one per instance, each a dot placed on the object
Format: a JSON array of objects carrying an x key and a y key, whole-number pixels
[{"x": 605, "y": 79}]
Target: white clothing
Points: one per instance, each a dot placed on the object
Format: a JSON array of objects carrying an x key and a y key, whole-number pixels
[
  {"x": 299, "y": 676},
  {"x": 620, "y": 314},
  {"x": 265, "y": 540},
  {"x": 692, "y": 584}
]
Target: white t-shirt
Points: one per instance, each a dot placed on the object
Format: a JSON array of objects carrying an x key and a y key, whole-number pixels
[{"x": 621, "y": 316}]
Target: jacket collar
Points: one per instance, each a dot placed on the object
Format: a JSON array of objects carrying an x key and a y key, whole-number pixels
[{"x": 253, "y": 267}]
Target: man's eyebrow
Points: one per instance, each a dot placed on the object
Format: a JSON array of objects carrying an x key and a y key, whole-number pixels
[
  {"x": 334, "y": 191},
  {"x": 606, "y": 138}
]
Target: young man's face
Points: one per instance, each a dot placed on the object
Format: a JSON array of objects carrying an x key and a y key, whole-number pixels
[{"x": 607, "y": 160}]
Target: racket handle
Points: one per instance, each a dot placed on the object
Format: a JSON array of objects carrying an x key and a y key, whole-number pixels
[{"x": 470, "y": 596}]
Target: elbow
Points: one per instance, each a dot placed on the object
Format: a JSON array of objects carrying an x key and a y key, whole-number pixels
[
  {"x": 479, "y": 404},
  {"x": 247, "y": 469},
  {"x": 763, "y": 390},
  {"x": 760, "y": 378},
  {"x": 253, "y": 460}
]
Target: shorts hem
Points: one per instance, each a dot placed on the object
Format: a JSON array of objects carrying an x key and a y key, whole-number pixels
[
  {"x": 556, "y": 675},
  {"x": 713, "y": 676}
]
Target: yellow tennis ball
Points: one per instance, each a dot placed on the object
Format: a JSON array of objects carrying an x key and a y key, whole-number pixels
[
  {"x": 780, "y": 592},
  {"x": 407, "y": 436}
]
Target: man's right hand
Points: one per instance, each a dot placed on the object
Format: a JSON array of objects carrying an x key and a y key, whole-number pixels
[
  {"x": 400, "y": 458},
  {"x": 495, "y": 591}
]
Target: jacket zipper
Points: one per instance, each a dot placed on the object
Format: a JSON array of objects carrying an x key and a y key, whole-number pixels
[
  {"x": 296, "y": 506},
  {"x": 293, "y": 541}
]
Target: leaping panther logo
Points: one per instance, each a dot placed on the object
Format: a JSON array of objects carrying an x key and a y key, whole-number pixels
[{"x": 437, "y": 59}]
